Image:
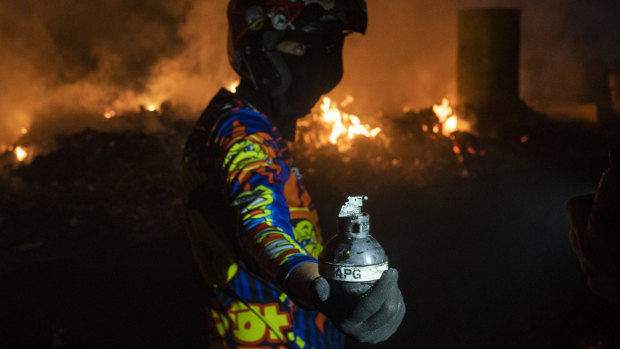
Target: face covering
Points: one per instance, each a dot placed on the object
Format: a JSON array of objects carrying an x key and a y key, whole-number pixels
[{"x": 313, "y": 74}]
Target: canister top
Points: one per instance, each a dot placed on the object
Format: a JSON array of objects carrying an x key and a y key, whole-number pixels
[{"x": 353, "y": 206}]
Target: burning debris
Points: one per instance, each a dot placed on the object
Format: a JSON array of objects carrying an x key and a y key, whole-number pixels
[
  {"x": 329, "y": 125},
  {"x": 449, "y": 122},
  {"x": 418, "y": 146},
  {"x": 20, "y": 153}
]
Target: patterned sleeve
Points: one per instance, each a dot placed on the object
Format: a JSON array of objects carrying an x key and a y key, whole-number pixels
[{"x": 254, "y": 171}]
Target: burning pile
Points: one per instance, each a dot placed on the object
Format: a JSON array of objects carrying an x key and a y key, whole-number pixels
[
  {"x": 37, "y": 139},
  {"x": 330, "y": 125},
  {"x": 415, "y": 145}
]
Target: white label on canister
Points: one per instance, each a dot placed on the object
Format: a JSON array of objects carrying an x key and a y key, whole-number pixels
[{"x": 352, "y": 273}]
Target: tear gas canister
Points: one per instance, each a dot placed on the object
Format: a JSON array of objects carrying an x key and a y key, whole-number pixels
[{"x": 352, "y": 260}]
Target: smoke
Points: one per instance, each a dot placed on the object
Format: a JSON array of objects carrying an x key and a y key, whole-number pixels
[
  {"x": 408, "y": 57},
  {"x": 71, "y": 57},
  {"x": 65, "y": 63}
]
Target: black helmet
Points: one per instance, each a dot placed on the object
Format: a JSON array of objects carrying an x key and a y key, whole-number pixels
[{"x": 256, "y": 27}]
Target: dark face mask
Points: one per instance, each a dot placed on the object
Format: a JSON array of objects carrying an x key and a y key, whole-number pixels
[{"x": 313, "y": 74}]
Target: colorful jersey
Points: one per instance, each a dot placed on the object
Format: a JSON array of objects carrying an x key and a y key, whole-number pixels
[{"x": 251, "y": 222}]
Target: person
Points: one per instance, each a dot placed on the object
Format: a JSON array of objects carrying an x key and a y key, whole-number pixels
[
  {"x": 252, "y": 224},
  {"x": 595, "y": 233}
]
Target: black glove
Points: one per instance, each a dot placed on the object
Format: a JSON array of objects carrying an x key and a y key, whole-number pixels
[{"x": 371, "y": 317}]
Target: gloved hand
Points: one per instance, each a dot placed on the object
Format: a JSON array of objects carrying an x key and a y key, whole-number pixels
[{"x": 371, "y": 317}]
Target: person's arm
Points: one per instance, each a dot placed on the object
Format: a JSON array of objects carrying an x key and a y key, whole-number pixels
[
  {"x": 595, "y": 235},
  {"x": 253, "y": 172}
]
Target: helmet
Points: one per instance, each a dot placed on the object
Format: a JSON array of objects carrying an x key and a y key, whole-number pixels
[{"x": 256, "y": 27}]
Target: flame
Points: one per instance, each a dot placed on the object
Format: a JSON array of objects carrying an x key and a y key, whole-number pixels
[
  {"x": 151, "y": 107},
  {"x": 449, "y": 121},
  {"x": 109, "y": 114},
  {"x": 328, "y": 125},
  {"x": 449, "y": 125},
  {"x": 232, "y": 87},
  {"x": 442, "y": 111},
  {"x": 344, "y": 127},
  {"x": 23, "y": 130},
  {"x": 20, "y": 153}
]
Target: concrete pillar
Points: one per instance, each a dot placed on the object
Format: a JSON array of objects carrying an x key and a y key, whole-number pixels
[{"x": 488, "y": 65}]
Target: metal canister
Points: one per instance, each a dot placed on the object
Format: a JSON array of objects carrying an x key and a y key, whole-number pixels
[{"x": 352, "y": 260}]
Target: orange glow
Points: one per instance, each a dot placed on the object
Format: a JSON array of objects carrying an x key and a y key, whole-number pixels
[
  {"x": 233, "y": 86},
  {"x": 20, "y": 153},
  {"x": 344, "y": 125},
  {"x": 449, "y": 121},
  {"x": 442, "y": 111},
  {"x": 23, "y": 130},
  {"x": 524, "y": 139},
  {"x": 329, "y": 125},
  {"x": 450, "y": 125},
  {"x": 347, "y": 101},
  {"x": 151, "y": 107},
  {"x": 109, "y": 114}
]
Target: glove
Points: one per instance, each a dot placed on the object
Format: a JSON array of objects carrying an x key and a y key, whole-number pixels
[{"x": 371, "y": 317}]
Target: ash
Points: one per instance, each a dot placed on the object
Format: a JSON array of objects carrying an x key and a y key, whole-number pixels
[{"x": 93, "y": 250}]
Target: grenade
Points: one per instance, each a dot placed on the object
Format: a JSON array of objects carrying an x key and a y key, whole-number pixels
[{"x": 352, "y": 260}]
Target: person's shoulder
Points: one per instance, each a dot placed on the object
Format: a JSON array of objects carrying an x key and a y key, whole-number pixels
[
  {"x": 229, "y": 117},
  {"x": 226, "y": 108},
  {"x": 219, "y": 105}
]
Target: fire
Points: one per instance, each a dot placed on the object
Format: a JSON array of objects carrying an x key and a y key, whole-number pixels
[
  {"x": 449, "y": 121},
  {"x": 20, "y": 153},
  {"x": 151, "y": 107},
  {"x": 232, "y": 87},
  {"x": 328, "y": 124},
  {"x": 109, "y": 114},
  {"x": 442, "y": 111},
  {"x": 450, "y": 124},
  {"x": 344, "y": 127},
  {"x": 23, "y": 130}
]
